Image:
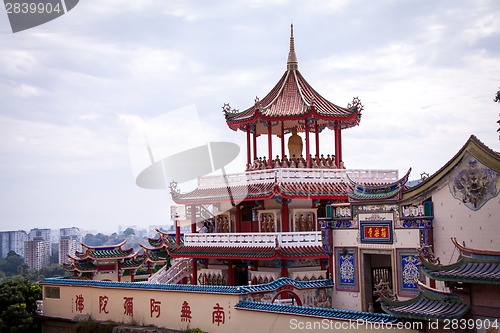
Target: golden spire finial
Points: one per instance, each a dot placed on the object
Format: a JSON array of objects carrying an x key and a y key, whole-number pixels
[{"x": 292, "y": 57}]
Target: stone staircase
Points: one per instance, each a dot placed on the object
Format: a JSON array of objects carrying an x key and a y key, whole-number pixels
[{"x": 180, "y": 269}]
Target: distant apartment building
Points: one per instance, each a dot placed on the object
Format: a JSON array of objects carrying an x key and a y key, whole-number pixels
[
  {"x": 45, "y": 234},
  {"x": 69, "y": 243},
  {"x": 12, "y": 241},
  {"x": 37, "y": 252}
]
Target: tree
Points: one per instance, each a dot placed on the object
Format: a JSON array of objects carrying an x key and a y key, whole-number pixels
[
  {"x": 95, "y": 240},
  {"x": 13, "y": 264},
  {"x": 129, "y": 232},
  {"x": 18, "y": 298}
]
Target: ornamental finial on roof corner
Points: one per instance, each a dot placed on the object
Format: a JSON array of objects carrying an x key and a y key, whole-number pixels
[
  {"x": 226, "y": 108},
  {"x": 173, "y": 188},
  {"x": 356, "y": 102}
]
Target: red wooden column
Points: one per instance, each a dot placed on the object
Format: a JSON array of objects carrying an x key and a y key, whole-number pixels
[
  {"x": 282, "y": 139},
  {"x": 237, "y": 222},
  {"x": 193, "y": 219},
  {"x": 178, "y": 231},
  {"x": 316, "y": 133},
  {"x": 132, "y": 275},
  {"x": 308, "y": 151},
  {"x": 249, "y": 161},
  {"x": 284, "y": 216},
  {"x": 269, "y": 145},
  {"x": 284, "y": 269},
  {"x": 338, "y": 144},
  {"x": 254, "y": 141}
]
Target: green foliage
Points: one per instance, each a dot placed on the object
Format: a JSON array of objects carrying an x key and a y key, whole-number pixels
[
  {"x": 129, "y": 232},
  {"x": 52, "y": 270},
  {"x": 18, "y": 299},
  {"x": 194, "y": 330},
  {"x": 13, "y": 265},
  {"x": 95, "y": 240}
]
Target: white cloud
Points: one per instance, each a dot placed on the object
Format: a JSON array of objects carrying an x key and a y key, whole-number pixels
[
  {"x": 51, "y": 148},
  {"x": 73, "y": 90}
]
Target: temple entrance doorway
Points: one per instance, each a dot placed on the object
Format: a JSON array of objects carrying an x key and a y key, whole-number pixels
[
  {"x": 241, "y": 274},
  {"x": 376, "y": 267}
]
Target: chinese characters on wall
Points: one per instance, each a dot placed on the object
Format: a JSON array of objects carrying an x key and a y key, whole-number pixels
[{"x": 105, "y": 306}]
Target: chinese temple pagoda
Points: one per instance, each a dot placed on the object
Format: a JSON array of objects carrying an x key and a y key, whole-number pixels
[
  {"x": 266, "y": 222},
  {"x": 295, "y": 220}
]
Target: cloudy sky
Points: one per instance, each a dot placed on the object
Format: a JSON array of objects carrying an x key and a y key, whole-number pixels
[{"x": 73, "y": 90}]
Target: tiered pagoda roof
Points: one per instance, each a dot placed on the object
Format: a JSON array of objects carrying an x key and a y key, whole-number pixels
[
  {"x": 104, "y": 252},
  {"x": 293, "y": 100},
  {"x": 264, "y": 191},
  {"x": 87, "y": 261},
  {"x": 429, "y": 304},
  {"x": 158, "y": 252}
]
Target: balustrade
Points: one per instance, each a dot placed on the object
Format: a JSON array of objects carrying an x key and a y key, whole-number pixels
[
  {"x": 298, "y": 174},
  {"x": 307, "y": 238}
]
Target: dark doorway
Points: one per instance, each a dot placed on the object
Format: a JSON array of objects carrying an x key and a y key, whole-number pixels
[
  {"x": 241, "y": 274},
  {"x": 376, "y": 267}
]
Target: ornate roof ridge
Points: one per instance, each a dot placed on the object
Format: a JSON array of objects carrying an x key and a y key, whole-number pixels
[
  {"x": 317, "y": 312},
  {"x": 429, "y": 304},
  {"x": 475, "y": 147},
  {"x": 187, "y": 287},
  {"x": 467, "y": 250},
  {"x": 97, "y": 247}
]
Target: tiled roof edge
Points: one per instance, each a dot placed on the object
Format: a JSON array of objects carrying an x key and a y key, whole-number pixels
[{"x": 309, "y": 311}]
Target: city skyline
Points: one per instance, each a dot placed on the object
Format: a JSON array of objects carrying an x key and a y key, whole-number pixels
[{"x": 73, "y": 90}]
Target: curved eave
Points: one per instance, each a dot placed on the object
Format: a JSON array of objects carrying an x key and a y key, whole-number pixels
[
  {"x": 382, "y": 188},
  {"x": 294, "y": 95},
  {"x": 74, "y": 267},
  {"x": 287, "y": 190},
  {"x": 464, "y": 270},
  {"x": 429, "y": 304},
  {"x": 393, "y": 195},
  {"x": 317, "y": 312},
  {"x": 248, "y": 253},
  {"x": 467, "y": 251},
  {"x": 117, "y": 246},
  {"x": 239, "y": 193},
  {"x": 479, "y": 150},
  {"x": 146, "y": 249}
]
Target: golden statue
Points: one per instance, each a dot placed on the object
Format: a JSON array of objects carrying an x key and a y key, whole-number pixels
[{"x": 294, "y": 144}]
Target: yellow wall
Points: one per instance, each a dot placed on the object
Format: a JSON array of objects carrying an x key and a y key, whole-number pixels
[{"x": 201, "y": 306}]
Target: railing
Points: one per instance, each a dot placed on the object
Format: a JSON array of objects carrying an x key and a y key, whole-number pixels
[
  {"x": 308, "y": 275},
  {"x": 212, "y": 276},
  {"x": 174, "y": 274},
  {"x": 298, "y": 174},
  {"x": 260, "y": 277},
  {"x": 265, "y": 239}
]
